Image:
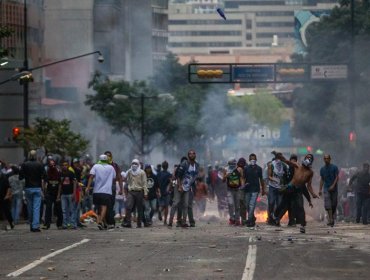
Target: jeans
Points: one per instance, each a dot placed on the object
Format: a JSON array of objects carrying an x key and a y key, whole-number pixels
[
  {"x": 150, "y": 206},
  {"x": 68, "y": 209},
  {"x": 118, "y": 206},
  {"x": 180, "y": 201},
  {"x": 250, "y": 204},
  {"x": 233, "y": 198},
  {"x": 274, "y": 199},
  {"x": 33, "y": 197},
  {"x": 87, "y": 203},
  {"x": 17, "y": 200}
]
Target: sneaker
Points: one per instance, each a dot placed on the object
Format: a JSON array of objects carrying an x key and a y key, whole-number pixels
[
  {"x": 169, "y": 225},
  {"x": 111, "y": 226},
  {"x": 126, "y": 225},
  {"x": 302, "y": 229},
  {"x": 12, "y": 225},
  {"x": 46, "y": 227},
  {"x": 231, "y": 222},
  {"x": 100, "y": 226}
]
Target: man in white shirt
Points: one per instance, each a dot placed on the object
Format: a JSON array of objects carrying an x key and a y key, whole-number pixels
[{"x": 104, "y": 175}]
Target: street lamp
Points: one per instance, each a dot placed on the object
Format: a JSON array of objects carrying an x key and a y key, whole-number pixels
[{"x": 142, "y": 97}]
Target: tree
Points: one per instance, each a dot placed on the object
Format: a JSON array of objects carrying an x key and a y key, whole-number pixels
[
  {"x": 4, "y": 33},
  {"x": 54, "y": 137},
  {"x": 322, "y": 110},
  {"x": 124, "y": 116},
  {"x": 263, "y": 107}
]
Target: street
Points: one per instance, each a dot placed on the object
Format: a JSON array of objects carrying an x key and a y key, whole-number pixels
[{"x": 211, "y": 250}]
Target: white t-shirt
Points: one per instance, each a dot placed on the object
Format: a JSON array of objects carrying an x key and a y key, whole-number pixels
[{"x": 104, "y": 176}]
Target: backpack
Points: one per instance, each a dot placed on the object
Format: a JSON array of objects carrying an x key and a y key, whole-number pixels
[{"x": 233, "y": 181}]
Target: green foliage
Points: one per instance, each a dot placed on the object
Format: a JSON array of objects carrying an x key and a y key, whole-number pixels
[
  {"x": 322, "y": 110},
  {"x": 264, "y": 108},
  {"x": 4, "y": 33},
  {"x": 125, "y": 115},
  {"x": 54, "y": 137}
]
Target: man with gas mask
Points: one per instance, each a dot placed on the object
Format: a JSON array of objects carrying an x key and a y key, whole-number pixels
[
  {"x": 303, "y": 175},
  {"x": 137, "y": 192},
  {"x": 254, "y": 183}
]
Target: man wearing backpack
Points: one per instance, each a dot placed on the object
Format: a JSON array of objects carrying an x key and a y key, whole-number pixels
[
  {"x": 186, "y": 174},
  {"x": 234, "y": 178}
]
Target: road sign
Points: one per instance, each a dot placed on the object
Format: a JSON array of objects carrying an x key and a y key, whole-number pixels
[
  {"x": 253, "y": 73},
  {"x": 329, "y": 72}
]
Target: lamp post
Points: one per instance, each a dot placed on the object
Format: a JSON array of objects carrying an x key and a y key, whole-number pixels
[
  {"x": 25, "y": 68},
  {"x": 352, "y": 102},
  {"x": 142, "y": 98}
]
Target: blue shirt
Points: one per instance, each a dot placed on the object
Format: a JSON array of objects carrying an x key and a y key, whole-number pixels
[{"x": 328, "y": 174}]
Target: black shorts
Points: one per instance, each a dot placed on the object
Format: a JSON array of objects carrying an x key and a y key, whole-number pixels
[{"x": 101, "y": 199}]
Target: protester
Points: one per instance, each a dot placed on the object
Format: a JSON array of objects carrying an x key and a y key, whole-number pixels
[
  {"x": 165, "y": 182},
  {"x": 329, "y": 181},
  {"x": 254, "y": 184},
  {"x": 66, "y": 194},
  {"x": 200, "y": 198},
  {"x": 34, "y": 174},
  {"x": 234, "y": 178},
  {"x": 362, "y": 190},
  {"x": 5, "y": 196},
  {"x": 150, "y": 204},
  {"x": 53, "y": 180},
  {"x": 17, "y": 187},
  {"x": 303, "y": 175},
  {"x": 137, "y": 192},
  {"x": 104, "y": 175}
]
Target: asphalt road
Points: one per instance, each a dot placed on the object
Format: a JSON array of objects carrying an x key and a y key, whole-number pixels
[{"x": 211, "y": 250}]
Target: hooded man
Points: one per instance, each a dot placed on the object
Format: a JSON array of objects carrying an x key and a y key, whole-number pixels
[
  {"x": 104, "y": 175},
  {"x": 137, "y": 192}
]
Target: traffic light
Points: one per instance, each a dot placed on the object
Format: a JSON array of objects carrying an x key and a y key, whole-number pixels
[
  {"x": 352, "y": 136},
  {"x": 16, "y": 132},
  {"x": 209, "y": 73},
  {"x": 25, "y": 78}
]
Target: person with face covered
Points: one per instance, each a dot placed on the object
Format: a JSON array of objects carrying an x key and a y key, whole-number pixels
[
  {"x": 254, "y": 184},
  {"x": 302, "y": 176},
  {"x": 329, "y": 181},
  {"x": 277, "y": 174},
  {"x": 150, "y": 204},
  {"x": 137, "y": 192},
  {"x": 234, "y": 178},
  {"x": 53, "y": 180}
]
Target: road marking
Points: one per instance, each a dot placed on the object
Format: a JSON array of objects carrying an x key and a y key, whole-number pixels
[
  {"x": 43, "y": 259},
  {"x": 250, "y": 264}
]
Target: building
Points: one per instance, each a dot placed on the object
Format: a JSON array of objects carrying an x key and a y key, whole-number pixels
[
  {"x": 196, "y": 27},
  {"x": 11, "y": 93},
  {"x": 132, "y": 35}
]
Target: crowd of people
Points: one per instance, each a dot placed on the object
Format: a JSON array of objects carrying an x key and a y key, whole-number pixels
[{"x": 71, "y": 191}]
